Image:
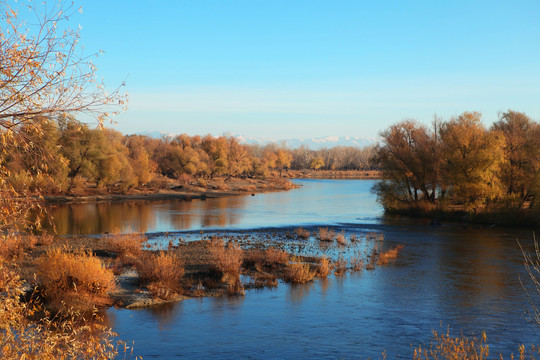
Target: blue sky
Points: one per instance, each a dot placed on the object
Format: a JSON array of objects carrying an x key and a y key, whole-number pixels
[{"x": 290, "y": 68}]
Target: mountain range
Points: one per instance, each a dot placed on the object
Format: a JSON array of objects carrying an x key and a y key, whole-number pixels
[{"x": 311, "y": 143}]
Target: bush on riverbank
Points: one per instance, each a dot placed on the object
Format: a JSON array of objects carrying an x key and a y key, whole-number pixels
[
  {"x": 162, "y": 273},
  {"x": 74, "y": 278}
]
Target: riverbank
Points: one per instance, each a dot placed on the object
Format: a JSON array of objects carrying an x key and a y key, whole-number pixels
[
  {"x": 334, "y": 174},
  {"x": 169, "y": 189}
]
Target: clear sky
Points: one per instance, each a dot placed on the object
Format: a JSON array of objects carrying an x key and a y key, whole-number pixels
[{"x": 312, "y": 68}]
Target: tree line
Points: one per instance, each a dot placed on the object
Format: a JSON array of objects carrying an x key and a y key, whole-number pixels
[
  {"x": 460, "y": 163},
  {"x": 62, "y": 155}
]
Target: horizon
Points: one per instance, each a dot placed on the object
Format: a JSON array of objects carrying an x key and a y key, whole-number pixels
[{"x": 312, "y": 69}]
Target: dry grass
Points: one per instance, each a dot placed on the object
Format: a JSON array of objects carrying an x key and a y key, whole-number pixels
[
  {"x": 324, "y": 267},
  {"x": 352, "y": 238},
  {"x": 326, "y": 234},
  {"x": 340, "y": 266},
  {"x": 226, "y": 259},
  {"x": 388, "y": 255},
  {"x": 299, "y": 272},
  {"x": 357, "y": 262},
  {"x": 162, "y": 273},
  {"x": 67, "y": 337},
  {"x": 127, "y": 246},
  {"x": 340, "y": 238},
  {"x": 302, "y": 233},
  {"x": 11, "y": 247},
  {"x": 274, "y": 256},
  {"x": 74, "y": 278}
]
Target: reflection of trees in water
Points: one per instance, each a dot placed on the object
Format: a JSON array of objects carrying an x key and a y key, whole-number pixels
[
  {"x": 222, "y": 211},
  {"x": 97, "y": 218}
]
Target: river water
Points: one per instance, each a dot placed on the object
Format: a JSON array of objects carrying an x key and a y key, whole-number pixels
[{"x": 462, "y": 277}]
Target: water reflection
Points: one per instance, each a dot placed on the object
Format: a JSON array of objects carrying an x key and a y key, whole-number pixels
[{"x": 315, "y": 203}]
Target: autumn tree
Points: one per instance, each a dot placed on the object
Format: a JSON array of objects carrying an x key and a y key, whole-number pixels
[
  {"x": 522, "y": 153},
  {"x": 473, "y": 157}
]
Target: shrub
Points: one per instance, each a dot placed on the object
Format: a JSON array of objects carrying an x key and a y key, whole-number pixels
[
  {"x": 326, "y": 234},
  {"x": 274, "y": 256},
  {"x": 340, "y": 266},
  {"x": 299, "y": 272},
  {"x": 446, "y": 347},
  {"x": 127, "y": 247},
  {"x": 162, "y": 273},
  {"x": 352, "y": 238},
  {"x": 340, "y": 238},
  {"x": 13, "y": 246},
  {"x": 324, "y": 267},
  {"x": 302, "y": 233},
  {"x": 357, "y": 263},
  {"x": 388, "y": 255},
  {"x": 227, "y": 259},
  {"x": 66, "y": 337},
  {"x": 76, "y": 278}
]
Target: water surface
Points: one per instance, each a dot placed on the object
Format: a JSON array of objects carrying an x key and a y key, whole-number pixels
[{"x": 465, "y": 277}]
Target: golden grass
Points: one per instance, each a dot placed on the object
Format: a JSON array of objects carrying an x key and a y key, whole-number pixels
[
  {"x": 11, "y": 247},
  {"x": 70, "y": 336},
  {"x": 127, "y": 246},
  {"x": 162, "y": 273},
  {"x": 275, "y": 256},
  {"x": 324, "y": 267},
  {"x": 326, "y": 234},
  {"x": 299, "y": 272},
  {"x": 388, "y": 255},
  {"x": 357, "y": 262},
  {"x": 226, "y": 259},
  {"x": 444, "y": 346},
  {"x": 74, "y": 278},
  {"x": 302, "y": 233},
  {"x": 340, "y": 238},
  {"x": 340, "y": 266}
]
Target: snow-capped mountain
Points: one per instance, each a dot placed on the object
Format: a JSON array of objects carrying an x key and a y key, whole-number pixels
[{"x": 311, "y": 143}]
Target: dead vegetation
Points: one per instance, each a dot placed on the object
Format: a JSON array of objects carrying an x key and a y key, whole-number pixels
[{"x": 162, "y": 273}]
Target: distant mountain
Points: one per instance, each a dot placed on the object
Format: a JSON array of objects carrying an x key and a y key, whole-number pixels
[{"x": 311, "y": 143}]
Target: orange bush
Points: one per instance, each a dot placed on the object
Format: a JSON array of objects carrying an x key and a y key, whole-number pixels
[
  {"x": 324, "y": 267},
  {"x": 75, "y": 277},
  {"x": 226, "y": 259},
  {"x": 302, "y": 233},
  {"x": 162, "y": 273},
  {"x": 127, "y": 246},
  {"x": 340, "y": 266},
  {"x": 299, "y": 272},
  {"x": 326, "y": 234}
]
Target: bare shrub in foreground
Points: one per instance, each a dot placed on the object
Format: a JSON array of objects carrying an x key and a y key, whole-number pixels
[
  {"x": 162, "y": 273},
  {"x": 357, "y": 262}
]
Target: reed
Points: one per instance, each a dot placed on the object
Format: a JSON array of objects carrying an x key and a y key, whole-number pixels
[
  {"x": 324, "y": 267},
  {"x": 340, "y": 266},
  {"x": 299, "y": 272},
  {"x": 127, "y": 246},
  {"x": 302, "y": 233},
  {"x": 326, "y": 234},
  {"x": 390, "y": 254},
  {"x": 162, "y": 273}
]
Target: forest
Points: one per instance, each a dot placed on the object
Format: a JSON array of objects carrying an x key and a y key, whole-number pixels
[{"x": 60, "y": 155}]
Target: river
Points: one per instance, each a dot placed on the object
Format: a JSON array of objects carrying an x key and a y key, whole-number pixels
[{"x": 462, "y": 277}]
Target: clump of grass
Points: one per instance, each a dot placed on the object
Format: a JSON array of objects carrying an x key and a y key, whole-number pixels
[
  {"x": 302, "y": 233},
  {"x": 352, "y": 238},
  {"x": 357, "y": 262},
  {"x": 162, "y": 273},
  {"x": 226, "y": 259},
  {"x": 127, "y": 246},
  {"x": 11, "y": 246},
  {"x": 326, "y": 234},
  {"x": 388, "y": 255},
  {"x": 446, "y": 347},
  {"x": 324, "y": 267},
  {"x": 45, "y": 239},
  {"x": 275, "y": 256},
  {"x": 340, "y": 238},
  {"x": 299, "y": 272},
  {"x": 74, "y": 278},
  {"x": 340, "y": 266}
]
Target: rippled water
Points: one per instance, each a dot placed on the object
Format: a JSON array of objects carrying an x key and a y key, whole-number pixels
[{"x": 462, "y": 277}]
